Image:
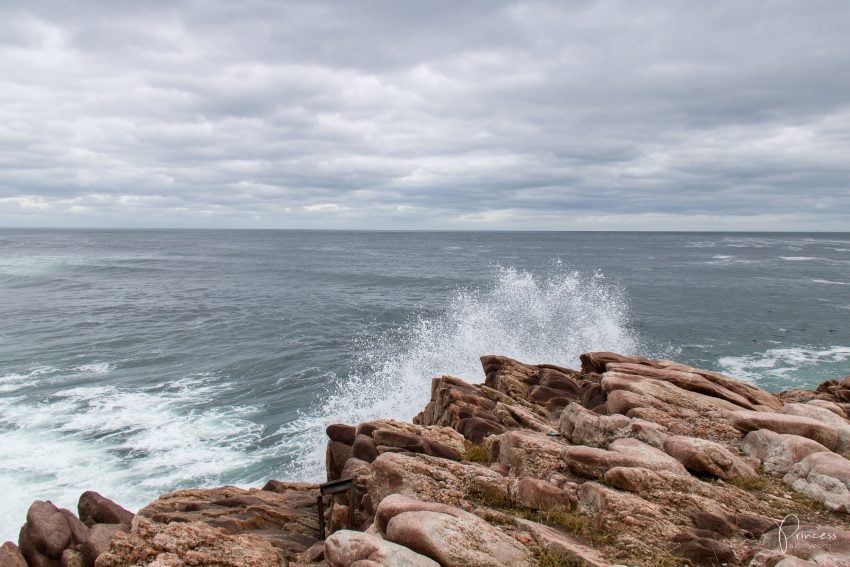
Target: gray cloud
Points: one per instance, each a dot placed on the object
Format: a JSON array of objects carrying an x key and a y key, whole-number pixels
[{"x": 514, "y": 115}]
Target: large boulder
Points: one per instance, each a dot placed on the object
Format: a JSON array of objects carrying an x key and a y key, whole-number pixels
[
  {"x": 779, "y": 452},
  {"x": 708, "y": 457},
  {"x": 94, "y": 509},
  {"x": 453, "y": 538},
  {"x": 47, "y": 531},
  {"x": 346, "y": 547},
  {"x": 824, "y": 477}
]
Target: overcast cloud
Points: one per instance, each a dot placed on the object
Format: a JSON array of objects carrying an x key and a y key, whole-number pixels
[{"x": 446, "y": 115}]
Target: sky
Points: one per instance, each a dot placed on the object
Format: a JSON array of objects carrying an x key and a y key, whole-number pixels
[{"x": 446, "y": 115}]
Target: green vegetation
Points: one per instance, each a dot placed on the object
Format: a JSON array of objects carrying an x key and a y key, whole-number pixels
[
  {"x": 556, "y": 559},
  {"x": 749, "y": 484},
  {"x": 476, "y": 454}
]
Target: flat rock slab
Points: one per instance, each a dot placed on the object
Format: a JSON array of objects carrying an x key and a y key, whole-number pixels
[
  {"x": 590, "y": 462},
  {"x": 284, "y": 513},
  {"x": 823, "y": 433},
  {"x": 556, "y": 541},
  {"x": 179, "y": 544},
  {"x": 707, "y": 457}
]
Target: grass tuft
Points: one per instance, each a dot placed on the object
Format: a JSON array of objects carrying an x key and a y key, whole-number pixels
[
  {"x": 749, "y": 484},
  {"x": 557, "y": 559},
  {"x": 476, "y": 454}
]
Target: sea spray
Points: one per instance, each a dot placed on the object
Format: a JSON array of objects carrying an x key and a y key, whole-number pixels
[{"x": 551, "y": 318}]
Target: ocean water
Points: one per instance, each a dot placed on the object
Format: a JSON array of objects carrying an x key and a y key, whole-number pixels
[{"x": 139, "y": 362}]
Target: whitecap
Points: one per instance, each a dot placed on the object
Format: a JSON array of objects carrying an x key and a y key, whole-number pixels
[
  {"x": 783, "y": 363},
  {"x": 129, "y": 444}
]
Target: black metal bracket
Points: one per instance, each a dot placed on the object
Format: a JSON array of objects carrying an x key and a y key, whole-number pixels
[{"x": 334, "y": 487}]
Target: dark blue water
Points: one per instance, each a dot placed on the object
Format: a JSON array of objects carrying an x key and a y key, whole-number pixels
[{"x": 136, "y": 362}]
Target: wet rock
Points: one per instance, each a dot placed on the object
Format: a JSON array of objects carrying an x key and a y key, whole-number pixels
[
  {"x": 590, "y": 462},
  {"x": 178, "y": 544},
  {"x": 540, "y": 495},
  {"x": 824, "y": 477},
  {"x": 346, "y": 548},
  {"x": 707, "y": 457},
  {"x": 47, "y": 529},
  {"x": 364, "y": 448},
  {"x": 10, "y": 556},
  {"x": 819, "y": 431},
  {"x": 100, "y": 538},
  {"x": 94, "y": 508},
  {"x": 336, "y": 454},
  {"x": 777, "y": 451},
  {"x": 342, "y": 433}
]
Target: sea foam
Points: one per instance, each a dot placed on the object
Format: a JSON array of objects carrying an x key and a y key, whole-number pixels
[{"x": 129, "y": 444}]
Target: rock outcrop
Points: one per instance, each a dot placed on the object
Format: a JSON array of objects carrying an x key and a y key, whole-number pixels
[{"x": 626, "y": 461}]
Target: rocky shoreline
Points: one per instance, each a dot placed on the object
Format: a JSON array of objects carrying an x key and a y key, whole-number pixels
[{"x": 627, "y": 461}]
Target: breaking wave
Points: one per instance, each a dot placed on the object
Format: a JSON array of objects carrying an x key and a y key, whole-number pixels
[{"x": 551, "y": 318}]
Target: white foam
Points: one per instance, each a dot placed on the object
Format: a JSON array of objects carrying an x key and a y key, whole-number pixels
[
  {"x": 129, "y": 444},
  {"x": 800, "y": 258},
  {"x": 781, "y": 362},
  {"x": 15, "y": 381},
  {"x": 94, "y": 368},
  {"x": 828, "y": 282},
  {"x": 550, "y": 319}
]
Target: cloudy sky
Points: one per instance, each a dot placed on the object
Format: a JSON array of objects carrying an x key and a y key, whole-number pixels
[{"x": 435, "y": 115}]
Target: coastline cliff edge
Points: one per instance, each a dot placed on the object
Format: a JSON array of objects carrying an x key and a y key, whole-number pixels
[{"x": 627, "y": 461}]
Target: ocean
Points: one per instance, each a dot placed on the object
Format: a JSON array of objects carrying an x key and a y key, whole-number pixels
[{"x": 138, "y": 362}]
